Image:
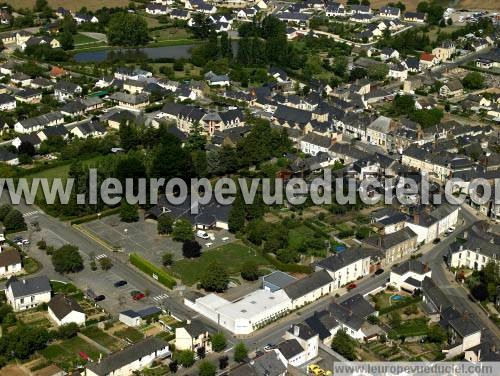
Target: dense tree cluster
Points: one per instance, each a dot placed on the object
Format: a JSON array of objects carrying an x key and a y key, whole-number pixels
[
  {"x": 67, "y": 259},
  {"x": 127, "y": 29}
]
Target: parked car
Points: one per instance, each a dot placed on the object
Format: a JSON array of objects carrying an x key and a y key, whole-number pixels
[
  {"x": 352, "y": 286},
  {"x": 137, "y": 295},
  {"x": 120, "y": 283},
  {"x": 378, "y": 272},
  {"x": 436, "y": 241},
  {"x": 20, "y": 241},
  {"x": 99, "y": 298},
  {"x": 202, "y": 234},
  {"x": 268, "y": 347}
]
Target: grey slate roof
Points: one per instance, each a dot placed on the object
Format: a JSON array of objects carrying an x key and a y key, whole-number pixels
[
  {"x": 195, "y": 328},
  {"x": 308, "y": 284},
  {"x": 121, "y": 358},
  {"x": 345, "y": 316},
  {"x": 290, "y": 348},
  {"x": 359, "y": 306},
  {"x": 340, "y": 260},
  {"x": 62, "y": 306},
  {"x": 410, "y": 265},
  {"x": 322, "y": 323},
  {"x": 388, "y": 241},
  {"x": 279, "y": 279},
  {"x": 29, "y": 286},
  {"x": 268, "y": 364}
]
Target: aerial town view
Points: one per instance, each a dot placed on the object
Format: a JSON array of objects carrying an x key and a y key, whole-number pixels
[{"x": 249, "y": 187}]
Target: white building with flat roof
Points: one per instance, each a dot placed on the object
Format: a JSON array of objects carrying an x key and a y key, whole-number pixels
[{"x": 245, "y": 315}]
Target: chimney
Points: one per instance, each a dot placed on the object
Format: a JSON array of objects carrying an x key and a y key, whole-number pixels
[
  {"x": 416, "y": 218},
  {"x": 296, "y": 330},
  {"x": 188, "y": 322}
]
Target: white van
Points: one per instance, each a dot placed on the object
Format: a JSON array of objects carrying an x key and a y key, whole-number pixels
[{"x": 202, "y": 234}]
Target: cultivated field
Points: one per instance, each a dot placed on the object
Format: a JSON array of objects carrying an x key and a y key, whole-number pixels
[
  {"x": 478, "y": 4},
  {"x": 411, "y": 5},
  {"x": 69, "y": 4}
]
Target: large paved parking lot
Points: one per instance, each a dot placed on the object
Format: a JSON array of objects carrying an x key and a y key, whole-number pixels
[{"x": 142, "y": 237}]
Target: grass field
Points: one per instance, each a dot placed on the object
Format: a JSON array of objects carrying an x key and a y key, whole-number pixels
[
  {"x": 130, "y": 334},
  {"x": 66, "y": 354},
  {"x": 69, "y": 4},
  {"x": 103, "y": 338},
  {"x": 232, "y": 256},
  {"x": 416, "y": 327},
  {"x": 83, "y": 39},
  {"x": 478, "y": 4},
  {"x": 171, "y": 33}
]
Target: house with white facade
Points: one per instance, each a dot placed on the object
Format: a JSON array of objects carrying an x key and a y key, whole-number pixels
[
  {"x": 408, "y": 275},
  {"x": 27, "y": 293},
  {"x": 431, "y": 224},
  {"x": 309, "y": 289},
  {"x": 348, "y": 266},
  {"x": 7, "y": 102},
  {"x": 133, "y": 358},
  {"x": 475, "y": 253},
  {"x": 64, "y": 310},
  {"x": 10, "y": 262},
  {"x": 192, "y": 336}
]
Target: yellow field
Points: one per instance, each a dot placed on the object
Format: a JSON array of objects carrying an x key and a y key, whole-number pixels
[
  {"x": 70, "y": 4},
  {"x": 411, "y": 5},
  {"x": 478, "y": 4}
]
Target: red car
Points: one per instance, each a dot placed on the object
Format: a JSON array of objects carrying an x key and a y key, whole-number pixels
[
  {"x": 137, "y": 295},
  {"x": 352, "y": 286}
]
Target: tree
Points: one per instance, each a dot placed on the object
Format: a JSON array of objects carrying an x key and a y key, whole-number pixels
[
  {"x": 173, "y": 366},
  {"x": 436, "y": 334},
  {"x": 105, "y": 263},
  {"x": 67, "y": 41},
  {"x": 24, "y": 341},
  {"x": 473, "y": 81},
  {"x": 26, "y": 148},
  {"x": 223, "y": 362},
  {"x": 182, "y": 230},
  {"x": 167, "y": 259},
  {"x": 165, "y": 224},
  {"x": 200, "y": 352},
  {"x": 395, "y": 319},
  {"x": 207, "y": 368},
  {"x": 4, "y": 210},
  {"x": 67, "y": 259},
  {"x": 250, "y": 271},
  {"x": 219, "y": 342},
  {"x": 378, "y": 71},
  {"x": 236, "y": 220},
  {"x": 127, "y": 29},
  {"x": 344, "y": 345},
  {"x": 215, "y": 278},
  {"x": 128, "y": 212},
  {"x": 68, "y": 330},
  {"x": 14, "y": 221},
  {"x": 240, "y": 352},
  {"x": 185, "y": 358},
  {"x": 191, "y": 249},
  {"x": 40, "y": 5},
  {"x": 403, "y": 104}
]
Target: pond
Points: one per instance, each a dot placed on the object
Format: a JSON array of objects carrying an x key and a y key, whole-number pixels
[
  {"x": 181, "y": 51},
  {"x": 170, "y": 52}
]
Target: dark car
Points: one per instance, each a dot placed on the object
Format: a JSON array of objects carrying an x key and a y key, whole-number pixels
[
  {"x": 120, "y": 283},
  {"x": 99, "y": 298},
  {"x": 436, "y": 241},
  {"x": 379, "y": 271}
]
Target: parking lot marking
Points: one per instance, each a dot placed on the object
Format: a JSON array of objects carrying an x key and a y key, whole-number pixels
[{"x": 160, "y": 297}]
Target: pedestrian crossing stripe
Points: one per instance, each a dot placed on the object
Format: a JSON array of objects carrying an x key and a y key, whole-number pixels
[
  {"x": 31, "y": 213},
  {"x": 102, "y": 255},
  {"x": 160, "y": 297}
]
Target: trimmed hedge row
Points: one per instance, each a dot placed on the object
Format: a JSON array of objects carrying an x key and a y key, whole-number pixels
[
  {"x": 292, "y": 268},
  {"x": 398, "y": 305},
  {"x": 145, "y": 266},
  {"x": 91, "y": 217}
]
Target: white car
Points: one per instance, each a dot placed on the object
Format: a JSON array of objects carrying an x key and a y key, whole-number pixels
[
  {"x": 450, "y": 230},
  {"x": 202, "y": 234}
]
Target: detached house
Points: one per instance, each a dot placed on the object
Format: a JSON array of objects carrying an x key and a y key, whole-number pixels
[
  {"x": 389, "y": 12},
  {"x": 193, "y": 336},
  {"x": 133, "y": 358},
  {"x": 394, "y": 246},
  {"x": 445, "y": 51},
  {"x": 65, "y": 90},
  {"x": 475, "y": 253},
  {"x": 10, "y": 263},
  {"x": 452, "y": 88},
  {"x": 39, "y": 122},
  {"x": 414, "y": 17},
  {"x": 408, "y": 275},
  {"x": 427, "y": 60},
  {"x": 7, "y": 102},
  {"x": 27, "y": 293},
  {"x": 131, "y": 101},
  {"x": 64, "y": 310}
]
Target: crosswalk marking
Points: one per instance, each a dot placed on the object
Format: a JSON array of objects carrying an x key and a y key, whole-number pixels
[
  {"x": 102, "y": 255},
  {"x": 160, "y": 297},
  {"x": 31, "y": 213}
]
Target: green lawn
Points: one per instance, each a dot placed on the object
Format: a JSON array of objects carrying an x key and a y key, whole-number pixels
[
  {"x": 130, "y": 334},
  {"x": 60, "y": 171},
  {"x": 232, "y": 256},
  {"x": 66, "y": 354},
  {"x": 297, "y": 235},
  {"x": 102, "y": 338},
  {"x": 416, "y": 327},
  {"x": 83, "y": 39}
]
